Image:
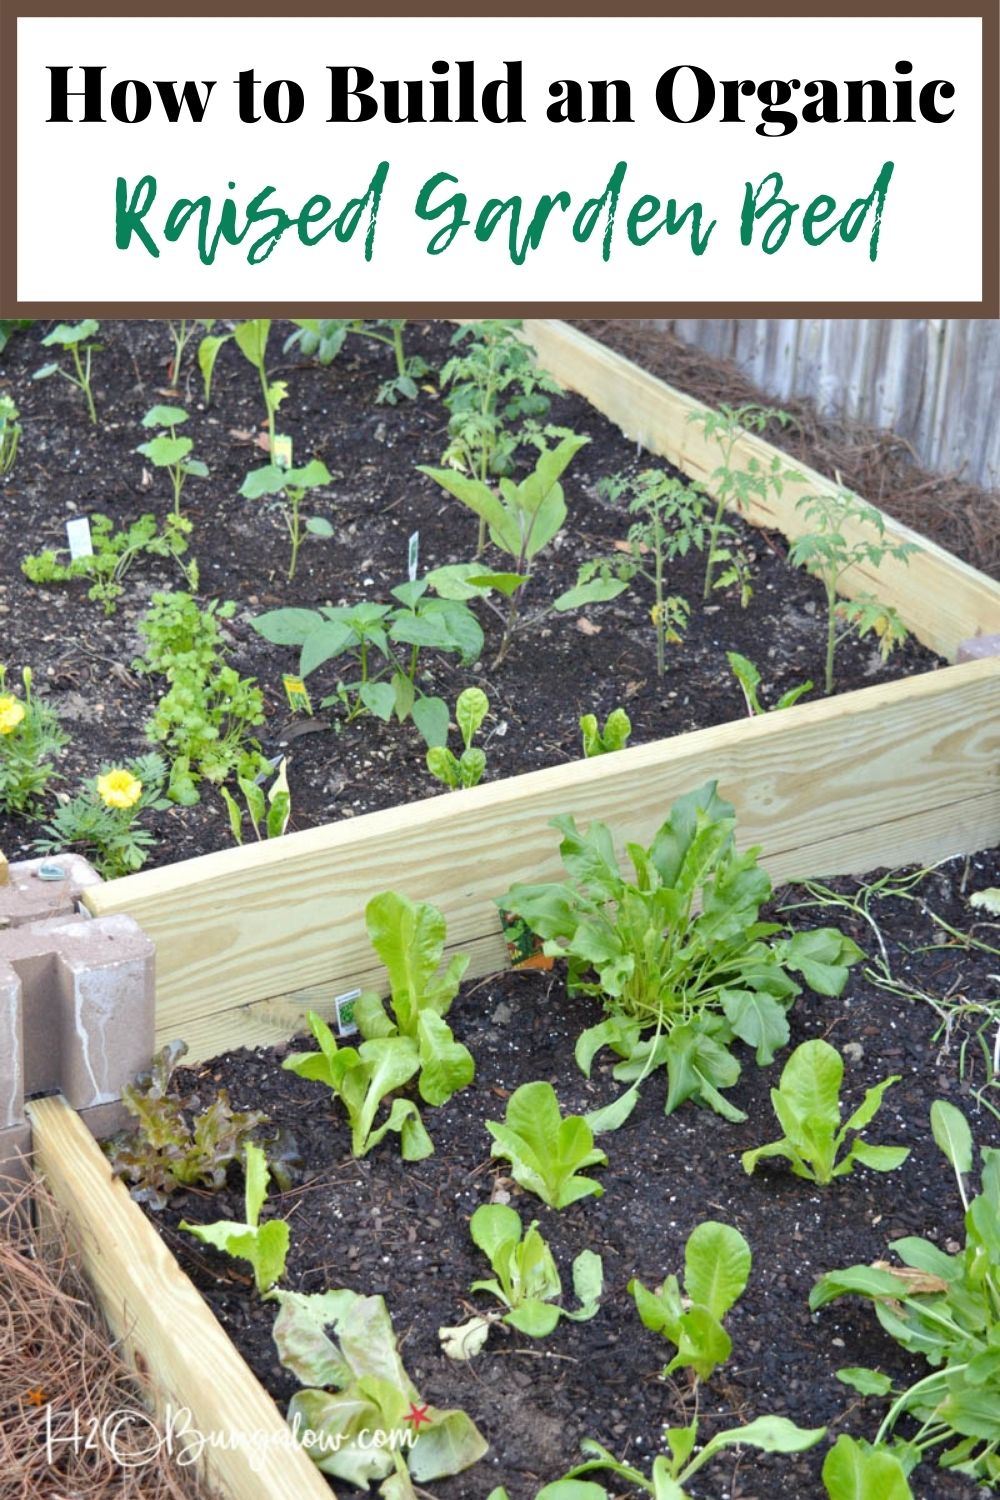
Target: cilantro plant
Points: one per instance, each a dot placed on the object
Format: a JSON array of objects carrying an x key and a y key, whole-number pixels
[
  {"x": 826, "y": 553},
  {"x": 547, "y": 1153},
  {"x": 168, "y": 451},
  {"x": 181, "y": 333},
  {"x": 179, "y": 1140},
  {"x": 76, "y": 340},
  {"x": 368, "y": 635},
  {"x": 294, "y": 484},
  {"x": 945, "y": 1307},
  {"x": 678, "y": 951},
  {"x": 361, "y": 1077},
  {"x": 807, "y": 1104},
  {"x": 102, "y": 820},
  {"x": 352, "y": 1417},
  {"x": 205, "y": 717},
  {"x": 10, "y": 433},
  {"x": 465, "y": 770},
  {"x": 114, "y": 553},
  {"x": 270, "y": 811},
  {"x": 251, "y": 340},
  {"x": 323, "y": 339},
  {"x": 31, "y": 738},
  {"x": 525, "y": 1281},
  {"x": 265, "y": 1246},
  {"x": 716, "y": 1270},
  {"x": 749, "y": 679},
  {"x": 614, "y": 736},
  {"x": 522, "y": 520},
  {"x": 735, "y": 488}
]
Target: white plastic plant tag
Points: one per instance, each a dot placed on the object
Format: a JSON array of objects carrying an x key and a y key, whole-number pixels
[
  {"x": 344, "y": 1008},
  {"x": 78, "y": 536},
  {"x": 413, "y": 556}
]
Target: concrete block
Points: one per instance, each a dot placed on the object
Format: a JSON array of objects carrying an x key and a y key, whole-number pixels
[
  {"x": 978, "y": 647},
  {"x": 103, "y": 1120},
  {"x": 11, "y": 1049},
  {"x": 26, "y": 897},
  {"x": 15, "y": 1156}
]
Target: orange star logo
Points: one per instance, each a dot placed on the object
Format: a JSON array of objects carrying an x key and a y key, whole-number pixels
[{"x": 36, "y": 1396}]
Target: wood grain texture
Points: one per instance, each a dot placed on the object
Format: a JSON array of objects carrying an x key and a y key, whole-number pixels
[
  {"x": 901, "y": 772},
  {"x": 163, "y": 1322},
  {"x": 940, "y": 598}
]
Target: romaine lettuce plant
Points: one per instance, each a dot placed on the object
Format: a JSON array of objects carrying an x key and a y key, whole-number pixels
[
  {"x": 465, "y": 770},
  {"x": 807, "y": 1104},
  {"x": 265, "y": 1246},
  {"x": 356, "y": 1417},
  {"x": 677, "y": 951},
  {"x": 546, "y": 1152},
  {"x": 856, "y": 1470},
  {"x": 10, "y": 433},
  {"x": 716, "y": 1270},
  {"x": 749, "y": 678},
  {"x": 614, "y": 736}
]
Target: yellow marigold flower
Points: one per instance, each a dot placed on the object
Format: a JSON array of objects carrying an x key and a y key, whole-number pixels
[
  {"x": 119, "y": 789},
  {"x": 11, "y": 712}
]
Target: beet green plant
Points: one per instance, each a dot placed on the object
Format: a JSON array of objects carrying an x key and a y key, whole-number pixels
[
  {"x": 168, "y": 451},
  {"x": 749, "y": 679},
  {"x": 807, "y": 1104},
  {"x": 547, "y": 1153},
  {"x": 677, "y": 950},
  {"x": 614, "y": 735},
  {"x": 251, "y": 340},
  {"x": 716, "y": 1270},
  {"x": 265, "y": 1246},
  {"x": 76, "y": 340},
  {"x": 114, "y": 553},
  {"x": 465, "y": 770},
  {"x": 10, "y": 433},
  {"x": 294, "y": 484},
  {"x": 945, "y": 1307},
  {"x": 849, "y": 533},
  {"x": 102, "y": 820},
  {"x": 31, "y": 738}
]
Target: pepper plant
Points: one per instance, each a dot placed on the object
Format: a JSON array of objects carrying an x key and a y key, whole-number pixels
[
  {"x": 294, "y": 484},
  {"x": 76, "y": 339}
]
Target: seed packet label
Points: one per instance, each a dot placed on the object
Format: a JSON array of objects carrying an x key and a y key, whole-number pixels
[
  {"x": 295, "y": 692},
  {"x": 281, "y": 452},
  {"x": 413, "y": 556},
  {"x": 78, "y": 536},
  {"x": 343, "y": 1007},
  {"x": 524, "y": 947}
]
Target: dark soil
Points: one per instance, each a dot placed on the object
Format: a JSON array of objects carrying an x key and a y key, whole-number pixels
[
  {"x": 381, "y": 1226},
  {"x": 573, "y": 665}
]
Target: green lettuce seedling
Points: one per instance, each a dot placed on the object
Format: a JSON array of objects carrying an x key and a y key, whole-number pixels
[
  {"x": 856, "y": 1470},
  {"x": 749, "y": 679},
  {"x": 465, "y": 770},
  {"x": 716, "y": 1269},
  {"x": 361, "y": 1077},
  {"x": 294, "y": 483},
  {"x": 168, "y": 451},
  {"x": 545, "y": 1151},
  {"x": 807, "y": 1104},
  {"x": 265, "y": 1246},
  {"x": 74, "y": 337},
  {"x": 614, "y": 736}
]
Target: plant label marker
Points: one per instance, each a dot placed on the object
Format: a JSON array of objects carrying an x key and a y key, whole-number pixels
[
  {"x": 343, "y": 1006},
  {"x": 78, "y": 537},
  {"x": 281, "y": 453},
  {"x": 524, "y": 948},
  {"x": 413, "y": 556},
  {"x": 295, "y": 692}
]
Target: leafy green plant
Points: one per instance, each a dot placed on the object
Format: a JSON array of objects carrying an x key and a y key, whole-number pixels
[
  {"x": 265, "y": 1246},
  {"x": 270, "y": 811},
  {"x": 114, "y": 553},
  {"x": 826, "y": 553},
  {"x": 323, "y": 339},
  {"x": 855, "y": 1470},
  {"x": 74, "y": 338},
  {"x": 208, "y": 352},
  {"x": 10, "y": 326},
  {"x": 614, "y": 736},
  {"x": 749, "y": 679},
  {"x": 522, "y": 520},
  {"x": 409, "y": 938},
  {"x": 205, "y": 716},
  {"x": 677, "y": 948},
  {"x": 102, "y": 819},
  {"x": 251, "y": 340},
  {"x": 716, "y": 1270},
  {"x": 179, "y": 1140},
  {"x": 546, "y": 1152},
  {"x": 736, "y": 488},
  {"x": 465, "y": 770},
  {"x": 945, "y": 1307},
  {"x": 30, "y": 739},
  {"x": 525, "y": 1280},
  {"x": 181, "y": 332},
  {"x": 366, "y": 634},
  {"x": 361, "y": 1077},
  {"x": 168, "y": 451},
  {"x": 10, "y": 433},
  {"x": 355, "y": 1419},
  {"x": 807, "y": 1104},
  {"x": 294, "y": 484}
]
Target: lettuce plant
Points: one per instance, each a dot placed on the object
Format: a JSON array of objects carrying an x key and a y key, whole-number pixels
[
  {"x": 361, "y": 1077},
  {"x": 856, "y": 1470},
  {"x": 807, "y": 1104},
  {"x": 545, "y": 1151},
  {"x": 265, "y": 1246},
  {"x": 361, "y": 1418},
  {"x": 269, "y": 810},
  {"x": 749, "y": 678},
  {"x": 614, "y": 736},
  {"x": 716, "y": 1270},
  {"x": 677, "y": 951},
  {"x": 465, "y": 770}
]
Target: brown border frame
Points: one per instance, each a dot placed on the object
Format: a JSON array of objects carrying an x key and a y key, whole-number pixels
[{"x": 988, "y": 11}]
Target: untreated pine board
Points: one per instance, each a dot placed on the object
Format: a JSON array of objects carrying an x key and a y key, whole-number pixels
[
  {"x": 905, "y": 771},
  {"x": 165, "y": 1325},
  {"x": 940, "y": 598}
]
